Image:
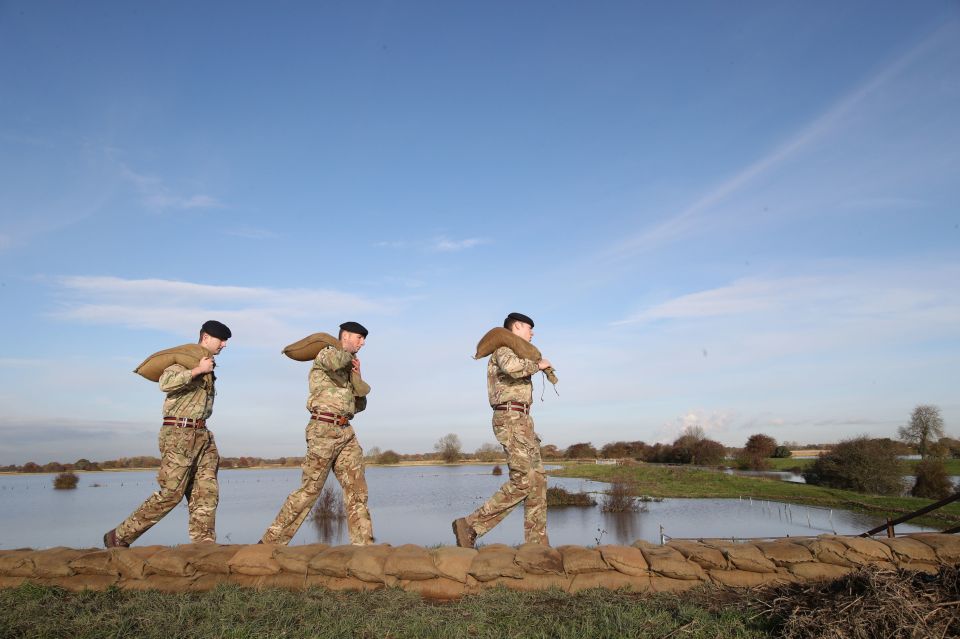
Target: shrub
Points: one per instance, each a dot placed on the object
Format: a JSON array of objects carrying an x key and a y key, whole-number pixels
[
  {"x": 497, "y": 470},
  {"x": 861, "y": 464},
  {"x": 782, "y": 452},
  {"x": 932, "y": 480},
  {"x": 388, "y": 457},
  {"x": 65, "y": 481},
  {"x": 619, "y": 500},
  {"x": 557, "y": 496},
  {"x": 329, "y": 506},
  {"x": 581, "y": 451}
]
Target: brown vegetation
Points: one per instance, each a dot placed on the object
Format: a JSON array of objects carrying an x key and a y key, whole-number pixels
[
  {"x": 65, "y": 481},
  {"x": 558, "y": 497},
  {"x": 862, "y": 464}
]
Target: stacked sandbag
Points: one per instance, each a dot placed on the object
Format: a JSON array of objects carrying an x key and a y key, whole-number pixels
[{"x": 450, "y": 573}]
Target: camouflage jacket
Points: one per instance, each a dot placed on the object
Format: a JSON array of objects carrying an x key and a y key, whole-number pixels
[
  {"x": 331, "y": 390},
  {"x": 508, "y": 377},
  {"x": 187, "y": 396}
]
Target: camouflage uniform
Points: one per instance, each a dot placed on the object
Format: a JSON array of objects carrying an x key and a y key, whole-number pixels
[
  {"x": 332, "y": 392},
  {"x": 189, "y": 460},
  {"x": 508, "y": 380}
]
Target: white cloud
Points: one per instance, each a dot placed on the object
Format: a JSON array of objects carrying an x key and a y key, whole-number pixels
[
  {"x": 714, "y": 424},
  {"x": 447, "y": 245},
  {"x": 259, "y": 315},
  {"x": 156, "y": 194}
]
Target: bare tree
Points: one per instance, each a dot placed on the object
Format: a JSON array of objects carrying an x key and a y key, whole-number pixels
[
  {"x": 924, "y": 429},
  {"x": 449, "y": 448},
  {"x": 489, "y": 452}
]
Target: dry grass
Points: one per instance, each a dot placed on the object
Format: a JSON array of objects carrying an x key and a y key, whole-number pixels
[
  {"x": 865, "y": 604},
  {"x": 559, "y": 497},
  {"x": 620, "y": 499}
]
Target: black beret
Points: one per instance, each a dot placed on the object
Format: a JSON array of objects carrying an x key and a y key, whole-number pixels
[
  {"x": 354, "y": 327},
  {"x": 214, "y": 328},
  {"x": 519, "y": 317}
]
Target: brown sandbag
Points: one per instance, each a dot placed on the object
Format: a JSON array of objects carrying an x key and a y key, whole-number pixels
[
  {"x": 187, "y": 355},
  {"x": 54, "y": 562},
  {"x": 438, "y": 588},
  {"x": 214, "y": 559},
  {"x": 332, "y": 562},
  {"x": 670, "y": 563},
  {"x": 667, "y": 584},
  {"x": 132, "y": 562},
  {"x": 529, "y": 583},
  {"x": 367, "y": 562},
  {"x": 13, "y": 582},
  {"x": 255, "y": 560},
  {"x": 577, "y": 559},
  {"x": 704, "y": 556},
  {"x": 499, "y": 336},
  {"x": 625, "y": 559},
  {"x": 307, "y": 349},
  {"x": 862, "y": 550},
  {"x": 537, "y": 559},
  {"x": 827, "y": 551},
  {"x": 816, "y": 571},
  {"x": 97, "y": 562},
  {"x": 343, "y": 583},
  {"x": 296, "y": 559},
  {"x": 78, "y": 583},
  {"x": 611, "y": 580},
  {"x": 170, "y": 562},
  {"x": 908, "y": 550},
  {"x": 495, "y": 560},
  {"x": 410, "y": 562},
  {"x": 947, "y": 547},
  {"x": 744, "y": 556},
  {"x": 784, "y": 553},
  {"x": 17, "y": 563},
  {"x": 453, "y": 562},
  {"x": 159, "y": 583},
  {"x": 745, "y": 578}
]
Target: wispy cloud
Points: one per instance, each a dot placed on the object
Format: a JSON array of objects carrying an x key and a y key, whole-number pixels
[
  {"x": 155, "y": 194},
  {"x": 446, "y": 245},
  {"x": 256, "y": 315},
  {"x": 680, "y": 224}
]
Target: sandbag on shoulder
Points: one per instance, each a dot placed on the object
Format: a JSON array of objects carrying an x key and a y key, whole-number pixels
[
  {"x": 499, "y": 336},
  {"x": 187, "y": 355},
  {"x": 307, "y": 349}
]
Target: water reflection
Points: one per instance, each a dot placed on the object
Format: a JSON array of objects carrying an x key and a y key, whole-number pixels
[{"x": 409, "y": 504}]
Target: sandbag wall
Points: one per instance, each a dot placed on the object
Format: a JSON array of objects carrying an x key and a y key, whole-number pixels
[{"x": 450, "y": 572}]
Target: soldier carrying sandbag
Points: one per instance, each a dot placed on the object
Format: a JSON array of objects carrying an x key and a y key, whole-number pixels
[
  {"x": 337, "y": 393},
  {"x": 513, "y": 361},
  {"x": 189, "y": 457}
]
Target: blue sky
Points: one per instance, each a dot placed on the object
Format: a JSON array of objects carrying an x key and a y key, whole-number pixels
[{"x": 742, "y": 216}]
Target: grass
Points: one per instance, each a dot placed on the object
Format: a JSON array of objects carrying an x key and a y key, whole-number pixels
[
  {"x": 32, "y": 611},
  {"x": 679, "y": 481}
]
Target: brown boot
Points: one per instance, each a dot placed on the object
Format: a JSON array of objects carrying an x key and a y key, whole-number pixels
[
  {"x": 110, "y": 540},
  {"x": 465, "y": 534}
]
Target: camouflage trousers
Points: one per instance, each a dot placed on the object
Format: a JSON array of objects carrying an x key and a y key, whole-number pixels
[
  {"x": 327, "y": 445},
  {"x": 188, "y": 468},
  {"x": 528, "y": 481}
]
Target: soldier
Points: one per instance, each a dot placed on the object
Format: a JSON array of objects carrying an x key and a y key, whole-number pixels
[
  {"x": 332, "y": 403},
  {"x": 189, "y": 457},
  {"x": 510, "y": 392}
]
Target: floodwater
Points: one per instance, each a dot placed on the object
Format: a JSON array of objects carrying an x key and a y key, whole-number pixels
[{"x": 409, "y": 504}]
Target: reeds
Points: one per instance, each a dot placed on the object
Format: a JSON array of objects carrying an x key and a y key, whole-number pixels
[
  {"x": 559, "y": 497},
  {"x": 619, "y": 499}
]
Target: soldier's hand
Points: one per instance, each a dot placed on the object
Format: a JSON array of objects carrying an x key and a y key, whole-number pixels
[
  {"x": 545, "y": 363},
  {"x": 205, "y": 366},
  {"x": 356, "y": 365}
]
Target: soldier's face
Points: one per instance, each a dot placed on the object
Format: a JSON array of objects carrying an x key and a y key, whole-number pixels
[
  {"x": 524, "y": 330},
  {"x": 352, "y": 342},
  {"x": 213, "y": 344}
]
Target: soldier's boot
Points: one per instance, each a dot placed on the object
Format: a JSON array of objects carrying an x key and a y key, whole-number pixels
[
  {"x": 464, "y": 532},
  {"x": 110, "y": 540}
]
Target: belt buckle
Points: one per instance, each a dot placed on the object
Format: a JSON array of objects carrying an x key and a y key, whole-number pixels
[{"x": 341, "y": 420}]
